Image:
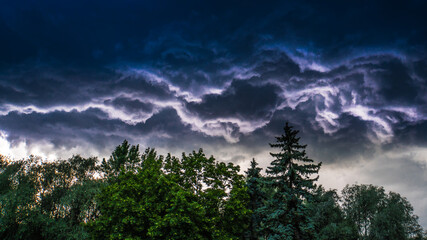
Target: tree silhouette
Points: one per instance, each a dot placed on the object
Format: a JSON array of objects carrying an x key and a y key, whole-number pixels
[
  {"x": 254, "y": 183},
  {"x": 289, "y": 176}
]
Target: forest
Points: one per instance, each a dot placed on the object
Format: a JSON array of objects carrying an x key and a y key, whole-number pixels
[{"x": 145, "y": 195}]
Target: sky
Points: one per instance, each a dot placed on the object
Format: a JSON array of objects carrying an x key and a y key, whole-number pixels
[{"x": 79, "y": 77}]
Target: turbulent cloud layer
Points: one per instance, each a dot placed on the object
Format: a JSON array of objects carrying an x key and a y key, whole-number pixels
[{"x": 81, "y": 77}]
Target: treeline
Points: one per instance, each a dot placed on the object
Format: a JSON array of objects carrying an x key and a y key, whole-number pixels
[{"x": 150, "y": 196}]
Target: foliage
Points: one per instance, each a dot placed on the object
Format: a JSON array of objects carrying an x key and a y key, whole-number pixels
[
  {"x": 361, "y": 204},
  {"x": 289, "y": 175},
  {"x": 124, "y": 157},
  {"x": 47, "y": 200},
  {"x": 257, "y": 196},
  {"x": 378, "y": 215},
  {"x": 169, "y": 198},
  {"x": 149, "y": 196},
  {"x": 147, "y": 205},
  {"x": 328, "y": 217}
]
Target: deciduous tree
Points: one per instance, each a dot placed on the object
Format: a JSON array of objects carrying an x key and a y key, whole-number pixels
[{"x": 378, "y": 215}]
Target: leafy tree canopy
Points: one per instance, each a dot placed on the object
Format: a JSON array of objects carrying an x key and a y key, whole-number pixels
[
  {"x": 380, "y": 215},
  {"x": 169, "y": 198}
]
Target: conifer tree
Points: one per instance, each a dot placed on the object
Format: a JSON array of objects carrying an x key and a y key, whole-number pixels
[
  {"x": 256, "y": 198},
  {"x": 289, "y": 176}
]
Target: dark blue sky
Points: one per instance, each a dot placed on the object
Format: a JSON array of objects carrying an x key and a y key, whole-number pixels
[{"x": 81, "y": 76}]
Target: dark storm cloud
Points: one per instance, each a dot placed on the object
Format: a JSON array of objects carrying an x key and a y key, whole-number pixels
[
  {"x": 393, "y": 77},
  {"x": 140, "y": 84},
  {"x": 420, "y": 68},
  {"x": 130, "y": 105},
  {"x": 14, "y": 48},
  {"x": 347, "y": 144},
  {"x": 72, "y": 32},
  {"x": 102, "y": 32},
  {"x": 61, "y": 128},
  {"x": 358, "y": 99},
  {"x": 47, "y": 85},
  {"x": 345, "y": 112},
  {"x": 165, "y": 122},
  {"x": 409, "y": 134},
  {"x": 94, "y": 127},
  {"x": 240, "y": 100}
]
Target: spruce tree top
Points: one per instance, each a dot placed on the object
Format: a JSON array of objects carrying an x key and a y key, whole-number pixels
[
  {"x": 254, "y": 171},
  {"x": 291, "y": 167}
]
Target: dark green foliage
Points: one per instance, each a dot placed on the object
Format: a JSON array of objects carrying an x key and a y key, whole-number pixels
[
  {"x": 147, "y": 205},
  {"x": 378, "y": 215},
  {"x": 124, "y": 157},
  {"x": 328, "y": 218},
  {"x": 257, "y": 197},
  {"x": 220, "y": 189},
  {"x": 148, "y": 196},
  {"x": 169, "y": 198},
  {"x": 361, "y": 204},
  {"x": 47, "y": 200},
  {"x": 19, "y": 211},
  {"x": 395, "y": 219},
  {"x": 289, "y": 175}
]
